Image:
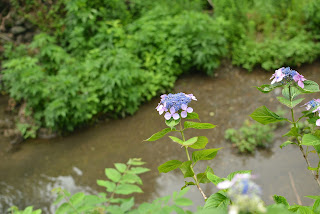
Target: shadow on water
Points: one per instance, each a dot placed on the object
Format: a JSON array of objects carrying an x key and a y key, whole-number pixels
[{"x": 76, "y": 161}]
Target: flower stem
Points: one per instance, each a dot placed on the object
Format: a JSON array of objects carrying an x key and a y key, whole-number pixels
[
  {"x": 316, "y": 176},
  {"x": 191, "y": 166}
]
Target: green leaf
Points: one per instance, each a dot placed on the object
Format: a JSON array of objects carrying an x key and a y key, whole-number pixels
[
  {"x": 195, "y": 125},
  {"x": 200, "y": 143},
  {"x": 186, "y": 184},
  {"x": 305, "y": 210},
  {"x": 314, "y": 197},
  {"x": 293, "y": 91},
  {"x": 135, "y": 162},
  {"x": 186, "y": 169},
  {"x": 290, "y": 104},
  {"x": 207, "y": 154},
  {"x": 192, "y": 115},
  {"x": 268, "y": 88},
  {"x": 126, "y": 189},
  {"x": 183, "y": 201},
  {"x": 264, "y": 115},
  {"x": 190, "y": 142},
  {"x": 310, "y": 140},
  {"x": 176, "y": 140},
  {"x": 121, "y": 167},
  {"x": 312, "y": 169},
  {"x": 127, "y": 204},
  {"x": 309, "y": 87},
  {"x": 214, "y": 178},
  {"x": 317, "y": 148},
  {"x": 112, "y": 174},
  {"x": 109, "y": 185},
  {"x": 131, "y": 178},
  {"x": 231, "y": 175},
  {"x": 281, "y": 200},
  {"x": 138, "y": 170},
  {"x": 217, "y": 200},
  {"x": 286, "y": 143},
  {"x": 294, "y": 132},
  {"x": 172, "y": 122},
  {"x": 159, "y": 135},
  {"x": 63, "y": 209},
  {"x": 77, "y": 198},
  {"x": 316, "y": 206},
  {"x": 169, "y": 166}
]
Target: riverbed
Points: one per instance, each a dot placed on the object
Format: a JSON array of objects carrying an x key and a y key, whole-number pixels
[{"x": 29, "y": 172}]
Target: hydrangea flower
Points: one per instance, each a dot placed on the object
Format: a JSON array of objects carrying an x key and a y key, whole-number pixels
[
  {"x": 173, "y": 104},
  {"x": 285, "y": 75},
  {"x": 313, "y": 104},
  {"x": 244, "y": 193}
]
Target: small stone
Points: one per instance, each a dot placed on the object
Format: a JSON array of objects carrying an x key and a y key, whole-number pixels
[
  {"x": 17, "y": 30},
  {"x": 211, "y": 114}
]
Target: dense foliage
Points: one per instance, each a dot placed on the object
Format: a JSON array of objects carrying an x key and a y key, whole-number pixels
[{"x": 107, "y": 57}]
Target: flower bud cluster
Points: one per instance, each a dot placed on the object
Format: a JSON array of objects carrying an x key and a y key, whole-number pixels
[
  {"x": 244, "y": 193},
  {"x": 173, "y": 104},
  {"x": 285, "y": 75}
]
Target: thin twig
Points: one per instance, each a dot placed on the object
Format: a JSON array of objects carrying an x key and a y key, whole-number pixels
[
  {"x": 294, "y": 189},
  {"x": 309, "y": 165}
]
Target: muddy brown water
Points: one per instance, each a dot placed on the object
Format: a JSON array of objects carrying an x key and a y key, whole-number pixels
[{"x": 75, "y": 162}]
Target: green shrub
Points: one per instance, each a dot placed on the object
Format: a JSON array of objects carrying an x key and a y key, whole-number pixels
[{"x": 250, "y": 135}]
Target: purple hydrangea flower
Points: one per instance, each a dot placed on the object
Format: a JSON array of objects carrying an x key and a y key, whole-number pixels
[
  {"x": 299, "y": 78},
  {"x": 315, "y": 103},
  {"x": 173, "y": 104},
  {"x": 277, "y": 76}
]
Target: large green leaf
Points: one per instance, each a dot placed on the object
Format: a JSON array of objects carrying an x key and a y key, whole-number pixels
[
  {"x": 131, "y": 178},
  {"x": 169, "y": 166},
  {"x": 264, "y": 115},
  {"x": 121, "y": 167},
  {"x": 207, "y": 154},
  {"x": 201, "y": 143},
  {"x": 138, "y": 170},
  {"x": 195, "y": 125},
  {"x": 281, "y": 200},
  {"x": 77, "y": 198},
  {"x": 309, "y": 87},
  {"x": 110, "y": 186},
  {"x": 292, "y": 94},
  {"x": 217, "y": 200},
  {"x": 159, "y": 135},
  {"x": 310, "y": 140},
  {"x": 192, "y": 115},
  {"x": 305, "y": 210},
  {"x": 186, "y": 169},
  {"x": 290, "y": 104},
  {"x": 232, "y": 174}
]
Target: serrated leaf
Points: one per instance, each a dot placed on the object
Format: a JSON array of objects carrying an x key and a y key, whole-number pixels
[
  {"x": 206, "y": 154},
  {"x": 309, "y": 87},
  {"x": 169, "y": 166},
  {"x": 64, "y": 208},
  {"x": 286, "y": 143},
  {"x": 281, "y": 200},
  {"x": 268, "y": 88},
  {"x": 77, "y": 198},
  {"x": 294, "y": 92},
  {"x": 159, "y": 135},
  {"x": 126, "y": 189},
  {"x": 196, "y": 125},
  {"x": 186, "y": 169},
  {"x": 232, "y": 174},
  {"x": 316, "y": 206},
  {"x": 127, "y": 204},
  {"x": 121, "y": 167},
  {"x": 214, "y": 178},
  {"x": 176, "y": 140},
  {"x": 217, "y": 200},
  {"x": 201, "y": 143},
  {"x": 310, "y": 140},
  {"x": 190, "y": 142},
  {"x": 107, "y": 184},
  {"x": 192, "y": 116},
  {"x": 172, "y": 122},
  {"x": 112, "y": 174},
  {"x": 288, "y": 103},
  {"x": 305, "y": 210},
  {"x": 131, "y": 178},
  {"x": 264, "y": 116}
]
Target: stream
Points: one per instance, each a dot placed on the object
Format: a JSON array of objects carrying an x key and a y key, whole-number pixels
[{"x": 74, "y": 162}]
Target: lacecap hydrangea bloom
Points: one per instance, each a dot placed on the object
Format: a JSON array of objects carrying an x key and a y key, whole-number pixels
[
  {"x": 175, "y": 105},
  {"x": 244, "y": 193},
  {"x": 285, "y": 75},
  {"x": 315, "y": 103}
]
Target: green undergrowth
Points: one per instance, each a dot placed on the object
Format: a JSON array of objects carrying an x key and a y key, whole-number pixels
[{"x": 107, "y": 57}]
